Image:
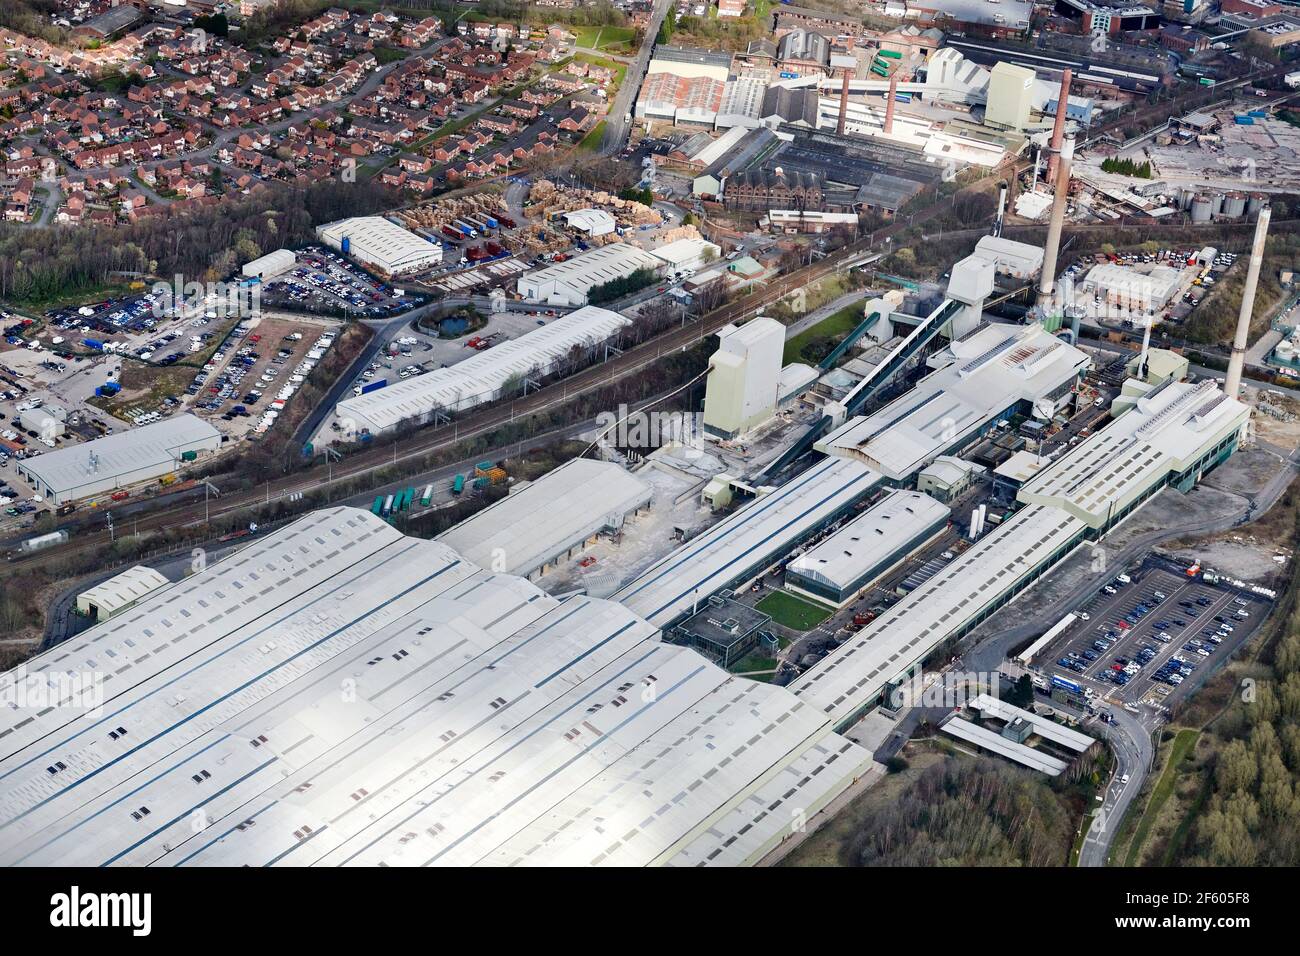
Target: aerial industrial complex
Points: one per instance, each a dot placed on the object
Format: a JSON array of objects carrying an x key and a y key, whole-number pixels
[
  {"x": 487, "y": 719},
  {"x": 701, "y": 416}
]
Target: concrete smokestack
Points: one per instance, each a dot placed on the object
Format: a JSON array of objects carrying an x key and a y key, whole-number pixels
[
  {"x": 1047, "y": 280},
  {"x": 844, "y": 103},
  {"x": 1146, "y": 349},
  {"x": 1058, "y": 128},
  {"x": 889, "y": 107},
  {"x": 1238, "y": 360}
]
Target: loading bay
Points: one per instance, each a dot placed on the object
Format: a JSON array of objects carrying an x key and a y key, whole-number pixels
[{"x": 1163, "y": 636}]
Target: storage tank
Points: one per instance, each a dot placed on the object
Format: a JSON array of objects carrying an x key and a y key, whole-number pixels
[
  {"x": 1253, "y": 203},
  {"x": 1216, "y": 203},
  {"x": 1185, "y": 197},
  {"x": 1234, "y": 205},
  {"x": 1201, "y": 209}
]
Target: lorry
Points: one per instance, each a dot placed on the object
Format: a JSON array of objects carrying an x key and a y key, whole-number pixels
[
  {"x": 466, "y": 228},
  {"x": 1066, "y": 684},
  {"x": 374, "y": 386}
]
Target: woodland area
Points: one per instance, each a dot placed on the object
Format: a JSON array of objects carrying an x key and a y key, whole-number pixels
[
  {"x": 1252, "y": 815},
  {"x": 962, "y": 812},
  {"x": 1216, "y": 317},
  {"x": 204, "y": 243}
]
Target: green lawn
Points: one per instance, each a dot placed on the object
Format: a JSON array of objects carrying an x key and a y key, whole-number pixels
[
  {"x": 755, "y": 661},
  {"x": 591, "y": 142},
  {"x": 836, "y": 325},
  {"x": 1178, "y": 751},
  {"x": 792, "y": 612},
  {"x": 615, "y": 39}
]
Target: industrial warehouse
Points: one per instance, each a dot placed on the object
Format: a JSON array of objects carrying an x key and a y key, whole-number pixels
[
  {"x": 569, "y": 283},
  {"x": 495, "y": 720},
  {"x": 844, "y": 564},
  {"x": 117, "y": 461},
  {"x": 546, "y": 521},
  {"x": 481, "y": 378},
  {"x": 977, "y": 381},
  {"x": 382, "y": 245},
  {"x": 1170, "y": 437},
  {"x": 701, "y": 434}
]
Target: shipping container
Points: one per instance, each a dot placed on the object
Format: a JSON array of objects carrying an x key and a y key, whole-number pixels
[
  {"x": 427, "y": 498},
  {"x": 374, "y": 386},
  {"x": 458, "y": 485},
  {"x": 388, "y": 505}
]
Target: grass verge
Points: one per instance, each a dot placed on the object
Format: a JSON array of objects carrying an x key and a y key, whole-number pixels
[{"x": 1182, "y": 745}]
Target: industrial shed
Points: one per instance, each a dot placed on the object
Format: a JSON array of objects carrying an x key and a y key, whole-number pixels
[
  {"x": 270, "y": 265},
  {"x": 843, "y": 565},
  {"x": 119, "y": 593},
  {"x": 117, "y": 461},
  {"x": 753, "y": 537},
  {"x": 480, "y": 378},
  {"x": 380, "y": 244},
  {"x": 991, "y": 373},
  {"x": 594, "y": 222},
  {"x": 530, "y": 530},
  {"x": 567, "y": 283},
  {"x": 528, "y": 716}
]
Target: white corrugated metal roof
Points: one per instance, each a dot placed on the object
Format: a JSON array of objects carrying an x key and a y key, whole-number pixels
[
  {"x": 986, "y": 373},
  {"x": 123, "y": 589},
  {"x": 888, "y": 529},
  {"x": 989, "y": 740},
  {"x": 1043, "y": 726},
  {"x": 528, "y": 528},
  {"x": 757, "y": 534},
  {"x": 478, "y": 378},
  {"x": 1170, "y": 427},
  {"x": 383, "y": 243},
  {"x": 980, "y": 577},
  {"x": 159, "y": 444},
  {"x": 337, "y": 693}
]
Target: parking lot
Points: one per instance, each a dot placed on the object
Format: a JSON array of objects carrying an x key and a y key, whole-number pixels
[
  {"x": 250, "y": 381},
  {"x": 1197, "y": 278},
  {"x": 328, "y": 283},
  {"x": 1152, "y": 634}
]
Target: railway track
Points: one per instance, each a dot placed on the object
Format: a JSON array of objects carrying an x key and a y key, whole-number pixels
[{"x": 382, "y": 454}]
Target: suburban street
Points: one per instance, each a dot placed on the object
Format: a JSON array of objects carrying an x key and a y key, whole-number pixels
[{"x": 617, "y": 125}]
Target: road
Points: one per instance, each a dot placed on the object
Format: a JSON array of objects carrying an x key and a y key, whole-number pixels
[
  {"x": 1129, "y": 735},
  {"x": 617, "y": 126},
  {"x": 166, "y": 513},
  {"x": 1130, "y": 740},
  {"x": 384, "y": 330}
]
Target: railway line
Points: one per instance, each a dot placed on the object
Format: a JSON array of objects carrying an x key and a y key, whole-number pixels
[{"x": 159, "y": 514}]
